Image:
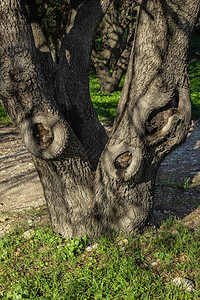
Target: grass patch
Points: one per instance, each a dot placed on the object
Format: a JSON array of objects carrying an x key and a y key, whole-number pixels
[
  {"x": 4, "y": 119},
  {"x": 104, "y": 104},
  {"x": 46, "y": 266}
]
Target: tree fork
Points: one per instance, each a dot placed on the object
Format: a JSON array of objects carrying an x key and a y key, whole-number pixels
[{"x": 92, "y": 187}]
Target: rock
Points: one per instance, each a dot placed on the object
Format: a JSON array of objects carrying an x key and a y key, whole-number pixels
[
  {"x": 185, "y": 283},
  {"x": 155, "y": 263},
  {"x": 122, "y": 243},
  {"x": 28, "y": 233},
  {"x": 30, "y": 222},
  {"x": 175, "y": 232},
  {"x": 90, "y": 248},
  {"x": 44, "y": 249},
  {"x": 192, "y": 220}
]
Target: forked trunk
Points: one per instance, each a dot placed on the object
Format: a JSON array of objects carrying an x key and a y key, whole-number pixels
[{"x": 95, "y": 185}]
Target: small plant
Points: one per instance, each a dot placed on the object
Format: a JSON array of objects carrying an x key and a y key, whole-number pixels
[
  {"x": 186, "y": 184},
  {"x": 76, "y": 246},
  {"x": 17, "y": 294}
]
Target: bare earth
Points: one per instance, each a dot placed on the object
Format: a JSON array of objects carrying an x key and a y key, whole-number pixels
[{"x": 21, "y": 197}]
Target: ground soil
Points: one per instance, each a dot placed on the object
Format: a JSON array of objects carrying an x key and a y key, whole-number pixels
[{"x": 177, "y": 191}]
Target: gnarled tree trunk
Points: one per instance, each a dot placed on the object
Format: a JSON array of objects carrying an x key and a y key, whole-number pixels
[{"x": 95, "y": 185}]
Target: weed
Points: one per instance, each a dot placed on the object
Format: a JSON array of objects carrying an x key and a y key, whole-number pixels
[{"x": 186, "y": 184}]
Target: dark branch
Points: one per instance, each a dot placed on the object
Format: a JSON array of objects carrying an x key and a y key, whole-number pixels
[{"x": 74, "y": 95}]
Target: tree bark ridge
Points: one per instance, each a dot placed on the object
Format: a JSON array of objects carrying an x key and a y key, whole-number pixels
[{"x": 153, "y": 115}]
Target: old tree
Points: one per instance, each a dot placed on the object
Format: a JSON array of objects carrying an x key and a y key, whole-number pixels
[{"x": 94, "y": 184}]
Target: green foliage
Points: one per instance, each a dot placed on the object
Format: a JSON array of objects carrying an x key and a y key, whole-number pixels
[
  {"x": 46, "y": 266},
  {"x": 106, "y": 104},
  {"x": 194, "y": 73}
]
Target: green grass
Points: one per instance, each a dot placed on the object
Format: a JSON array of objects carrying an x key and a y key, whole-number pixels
[
  {"x": 46, "y": 266},
  {"x": 105, "y": 104},
  {"x": 4, "y": 119},
  {"x": 182, "y": 184}
]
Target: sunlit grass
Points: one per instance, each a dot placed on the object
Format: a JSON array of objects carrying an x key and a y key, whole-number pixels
[
  {"x": 46, "y": 266},
  {"x": 105, "y": 104}
]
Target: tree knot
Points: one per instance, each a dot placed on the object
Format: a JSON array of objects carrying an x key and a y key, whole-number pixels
[
  {"x": 42, "y": 135},
  {"x": 123, "y": 160}
]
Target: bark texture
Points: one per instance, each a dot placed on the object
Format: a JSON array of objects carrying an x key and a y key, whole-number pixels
[
  {"x": 95, "y": 185},
  {"x": 153, "y": 115}
]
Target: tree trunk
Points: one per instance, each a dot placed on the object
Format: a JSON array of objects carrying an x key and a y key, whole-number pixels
[
  {"x": 93, "y": 185},
  {"x": 116, "y": 25}
]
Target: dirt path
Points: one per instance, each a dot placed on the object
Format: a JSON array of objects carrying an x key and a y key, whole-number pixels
[
  {"x": 19, "y": 184},
  {"x": 178, "y": 180},
  {"x": 21, "y": 197}
]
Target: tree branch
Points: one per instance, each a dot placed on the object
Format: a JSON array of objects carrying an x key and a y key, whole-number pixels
[
  {"x": 74, "y": 95},
  {"x": 27, "y": 90}
]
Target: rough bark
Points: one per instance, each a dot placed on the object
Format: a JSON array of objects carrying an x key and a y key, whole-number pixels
[
  {"x": 153, "y": 115},
  {"x": 52, "y": 109},
  {"x": 92, "y": 187}
]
